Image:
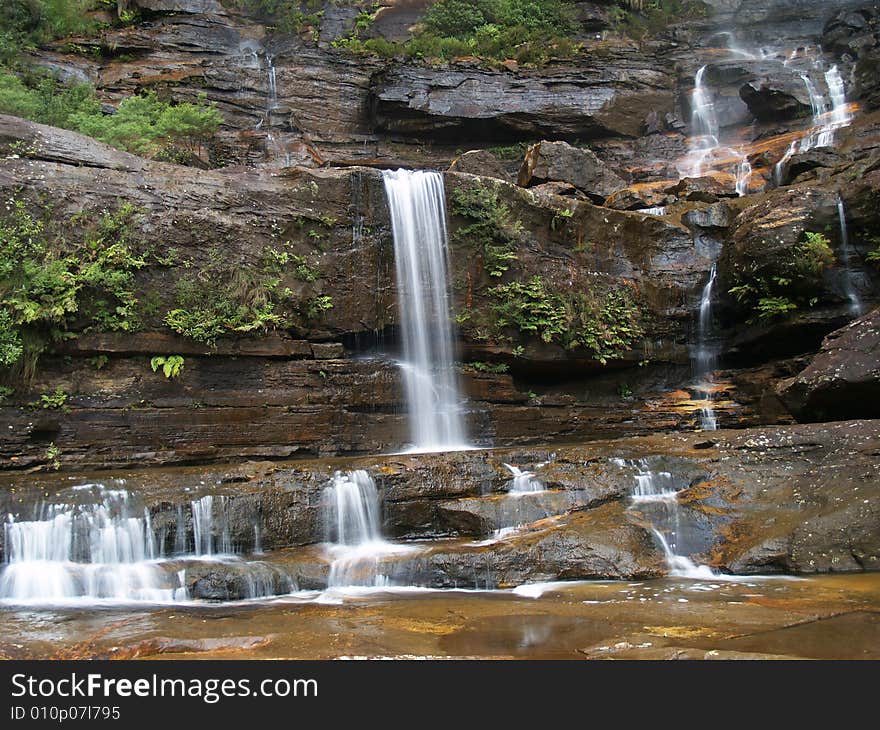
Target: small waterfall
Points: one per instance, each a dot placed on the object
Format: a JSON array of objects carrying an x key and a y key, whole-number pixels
[
  {"x": 840, "y": 116},
  {"x": 705, "y": 357},
  {"x": 655, "y": 210},
  {"x": 352, "y": 522},
  {"x": 418, "y": 219},
  {"x": 206, "y": 542},
  {"x": 743, "y": 177},
  {"x": 99, "y": 544},
  {"x": 655, "y": 492},
  {"x": 826, "y": 119},
  {"x": 846, "y": 255},
  {"x": 271, "y": 87},
  {"x": 105, "y": 550},
  {"x": 523, "y": 482},
  {"x": 704, "y": 126}
]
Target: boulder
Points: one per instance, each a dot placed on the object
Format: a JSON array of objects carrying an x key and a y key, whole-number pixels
[
  {"x": 560, "y": 162},
  {"x": 706, "y": 189},
  {"x": 481, "y": 162},
  {"x": 843, "y": 378},
  {"x": 717, "y": 215},
  {"x": 637, "y": 197},
  {"x": 768, "y": 103}
]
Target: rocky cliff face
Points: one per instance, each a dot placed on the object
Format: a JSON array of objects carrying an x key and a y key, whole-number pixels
[{"x": 277, "y": 393}]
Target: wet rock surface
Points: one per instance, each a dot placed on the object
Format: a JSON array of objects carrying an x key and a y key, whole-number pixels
[
  {"x": 843, "y": 377},
  {"x": 793, "y": 499}
]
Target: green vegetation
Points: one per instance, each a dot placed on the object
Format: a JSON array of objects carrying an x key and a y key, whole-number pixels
[
  {"x": 50, "y": 285},
  {"x": 791, "y": 282},
  {"x": 640, "y": 18},
  {"x": 492, "y": 226},
  {"x": 287, "y": 16},
  {"x": 28, "y": 23},
  {"x": 485, "y": 367},
  {"x": 529, "y": 31},
  {"x": 222, "y": 301},
  {"x": 873, "y": 256},
  {"x": 145, "y": 124},
  {"x": 225, "y": 303},
  {"x": 172, "y": 365},
  {"x": 52, "y": 456},
  {"x": 55, "y": 400},
  {"x": 318, "y": 305},
  {"x": 151, "y": 127},
  {"x": 606, "y": 322}
]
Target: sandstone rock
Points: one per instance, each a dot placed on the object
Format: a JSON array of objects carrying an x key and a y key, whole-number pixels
[
  {"x": 717, "y": 215},
  {"x": 559, "y": 161},
  {"x": 481, "y": 162},
  {"x": 843, "y": 378},
  {"x": 636, "y": 197},
  {"x": 704, "y": 189},
  {"x": 853, "y": 35},
  {"x": 769, "y": 102},
  {"x": 434, "y": 103},
  {"x": 174, "y": 6}
]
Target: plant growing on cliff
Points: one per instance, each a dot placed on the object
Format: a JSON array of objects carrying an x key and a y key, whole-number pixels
[
  {"x": 529, "y": 31},
  {"x": 788, "y": 282},
  {"x": 639, "y": 18},
  {"x": 607, "y": 322},
  {"x": 50, "y": 284},
  {"x": 55, "y": 400},
  {"x": 172, "y": 365},
  {"x": 149, "y": 126},
  {"x": 492, "y": 227}
]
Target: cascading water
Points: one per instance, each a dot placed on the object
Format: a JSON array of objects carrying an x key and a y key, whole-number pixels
[
  {"x": 103, "y": 550},
  {"x": 826, "y": 119},
  {"x": 656, "y": 494},
  {"x": 846, "y": 255},
  {"x": 99, "y": 544},
  {"x": 743, "y": 177},
  {"x": 705, "y": 355},
  {"x": 704, "y": 126},
  {"x": 523, "y": 482},
  {"x": 418, "y": 219},
  {"x": 205, "y": 541},
  {"x": 352, "y": 515}
]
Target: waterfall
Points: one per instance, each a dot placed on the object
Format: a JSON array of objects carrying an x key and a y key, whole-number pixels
[
  {"x": 705, "y": 355},
  {"x": 523, "y": 482},
  {"x": 105, "y": 550},
  {"x": 205, "y": 542},
  {"x": 351, "y": 516},
  {"x": 826, "y": 120},
  {"x": 743, "y": 177},
  {"x": 98, "y": 543},
  {"x": 418, "y": 220},
  {"x": 704, "y": 125},
  {"x": 849, "y": 286},
  {"x": 271, "y": 87},
  {"x": 655, "y": 492}
]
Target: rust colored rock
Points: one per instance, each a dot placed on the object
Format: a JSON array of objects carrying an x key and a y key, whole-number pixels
[{"x": 560, "y": 162}]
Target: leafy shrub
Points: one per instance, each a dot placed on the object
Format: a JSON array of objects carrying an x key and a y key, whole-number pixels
[
  {"x": 788, "y": 283},
  {"x": 149, "y": 126},
  {"x": 48, "y": 283},
  {"x": 530, "y": 31},
  {"x": 605, "y": 322},
  {"x": 172, "y": 365},
  {"x": 492, "y": 227}
]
